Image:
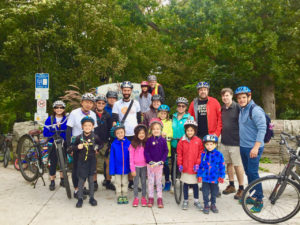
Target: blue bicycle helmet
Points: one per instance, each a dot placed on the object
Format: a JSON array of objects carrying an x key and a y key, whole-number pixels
[
  {"x": 209, "y": 137},
  {"x": 87, "y": 119},
  {"x": 242, "y": 90},
  {"x": 202, "y": 84},
  {"x": 115, "y": 128},
  {"x": 164, "y": 108}
]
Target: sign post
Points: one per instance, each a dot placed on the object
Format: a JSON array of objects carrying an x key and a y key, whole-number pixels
[{"x": 41, "y": 95}]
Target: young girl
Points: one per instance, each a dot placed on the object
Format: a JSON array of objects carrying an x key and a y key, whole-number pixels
[
  {"x": 138, "y": 166},
  {"x": 167, "y": 133},
  {"x": 119, "y": 163},
  {"x": 189, "y": 150},
  {"x": 211, "y": 172},
  {"x": 156, "y": 152},
  {"x": 57, "y": 117},
  {"x": 145, "y": 97}
]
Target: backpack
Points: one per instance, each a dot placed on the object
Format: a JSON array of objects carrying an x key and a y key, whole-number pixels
[{"x": 269, "y": 131}]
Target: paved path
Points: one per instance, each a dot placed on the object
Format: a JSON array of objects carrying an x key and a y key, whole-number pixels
[{"x": 21, "y": 204}]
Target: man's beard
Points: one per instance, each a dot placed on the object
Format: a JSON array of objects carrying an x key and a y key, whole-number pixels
[{"x": 126, "y": 97}]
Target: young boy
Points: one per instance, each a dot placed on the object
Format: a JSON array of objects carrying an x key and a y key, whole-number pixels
[
  {"x": 119, "y": 162},
  {"x": 86, "y": 146},
  {"x": 211, "y": 172}
]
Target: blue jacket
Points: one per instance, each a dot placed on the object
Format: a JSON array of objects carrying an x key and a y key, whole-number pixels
[
  {"x": 178, "y": 127},
  {"x": 119, "y": 157},
  {"x": 108, "y": 109},
  {"x": 48, "y": 132},
  {"x": 212, "y": 166},
  {"x": 254, "y": 130}
]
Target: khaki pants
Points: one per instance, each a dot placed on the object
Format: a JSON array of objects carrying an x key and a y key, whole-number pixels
[{"x": 121, "y": 182}]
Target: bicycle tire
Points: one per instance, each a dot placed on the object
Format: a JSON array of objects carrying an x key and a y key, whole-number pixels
[
  {"x": 177, "y": 183},
  {"x": 291, "y": 185},
  {"x": 6, "y": 156},
  {"x": 64, "y": 168},
  {"x": 2, "y": 152},
  {"x": 23, "y": 159}
]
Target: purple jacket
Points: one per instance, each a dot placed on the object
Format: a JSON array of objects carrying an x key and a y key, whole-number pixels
[{"x": 156, "y": 149}]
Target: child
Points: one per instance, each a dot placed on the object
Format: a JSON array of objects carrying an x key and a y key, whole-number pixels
[
  {"x": 156, "y": 152},
  {"x": 119, "y": 163},
  {"x": 211, "y": 172},
  {"x": 86, "y": 146},
  {"x": 59, "y": 119},
  {"x": 189, "y": 151},
  {"x": 167, "y": 133},
  {"x": 145, "y": 97},
  {"x": 138, "y": 165}
]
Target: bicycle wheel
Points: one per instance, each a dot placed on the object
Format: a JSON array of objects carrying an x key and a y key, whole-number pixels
[
  {"x": 281, "y": 200},
  {"x": 2, "y": 152},
  {"x": 27, "y": 158},
  {"x": 177, "y": 182},
  {"x": 64, "y": 168},
  {"x": 6, "y": 156}
]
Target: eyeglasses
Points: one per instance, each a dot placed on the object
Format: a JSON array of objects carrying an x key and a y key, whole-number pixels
[
  {"x": 59, "y": 107},
  {"x": 101, "y": 103},
  {"x": 181, "y": 106}
]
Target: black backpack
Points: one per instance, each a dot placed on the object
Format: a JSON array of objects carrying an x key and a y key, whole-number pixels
[{"x": 269, "y": 131}]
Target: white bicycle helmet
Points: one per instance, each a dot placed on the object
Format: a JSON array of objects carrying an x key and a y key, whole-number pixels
[
  {"x": 182, "y": 100},
  {"x": 59, "y": 102},
  {"x": 88, "y": 96}
]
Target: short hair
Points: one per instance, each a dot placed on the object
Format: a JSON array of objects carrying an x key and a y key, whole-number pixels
[{"x": 224, "y": 90}]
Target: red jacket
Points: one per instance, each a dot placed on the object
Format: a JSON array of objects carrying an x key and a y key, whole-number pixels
[
  {"x": 214, "y": 118},
  {"x": 189, "y": 153}
]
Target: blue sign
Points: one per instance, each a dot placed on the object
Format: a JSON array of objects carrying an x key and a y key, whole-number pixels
[{"x": 42, "y": 80}]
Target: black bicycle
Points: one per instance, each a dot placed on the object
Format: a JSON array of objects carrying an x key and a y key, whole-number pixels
[
  {"x": 30, "y": 156},
  {"x": 281, "y": 192},
  {"x": 5, "y": 147},
  {"x": 177, "y": 183}
]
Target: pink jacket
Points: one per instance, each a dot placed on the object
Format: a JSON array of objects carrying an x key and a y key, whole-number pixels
[{"x": 137, "y": 158}]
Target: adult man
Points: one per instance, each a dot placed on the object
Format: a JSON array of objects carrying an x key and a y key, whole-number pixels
[
  {"x": 156, "y": 101},
  {"x": 230, "y": 146},
  {"x": 133, "y": 117},
  {"x": 111, "y": 97},
  {"x": 252, "y": 128},
  {"x": 206, "y": 111},
  {"x": 156, "y": 88},
  {"x": 74, "y": 128}
]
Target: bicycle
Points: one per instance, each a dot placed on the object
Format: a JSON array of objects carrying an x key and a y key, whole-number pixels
[
  {"x": 177, "y": 183},
  {"x": 5, "y": 149},
  {"x": 281, "y": 192},
  {"x": 31, "y": 158}
]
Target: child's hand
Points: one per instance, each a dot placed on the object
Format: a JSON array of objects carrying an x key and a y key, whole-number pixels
[
  {"x": 133, "y": 174},
  {"x": 221, "y": 180},
  {"x": 180, "y": 168},
  {"x": 199, "y": 179},
  {"x": 163, "y": 134},
  {"x": 80, "y": 146},
  {"x": 196, "y": 168}
]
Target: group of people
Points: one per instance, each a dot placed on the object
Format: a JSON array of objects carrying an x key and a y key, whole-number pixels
[{"x": 139, "y": 140}]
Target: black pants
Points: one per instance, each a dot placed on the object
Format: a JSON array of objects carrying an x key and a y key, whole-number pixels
[
  {"x": 173, "y": 151},
  {"x": 53, "y": 158},
  {"x": 209, "y": 188},
  {"x": 167, "y": 170},
  {"x": 186, "y": 191},
  {"x": 74, "y": 170}
]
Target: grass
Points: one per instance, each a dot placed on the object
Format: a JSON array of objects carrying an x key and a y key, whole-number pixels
[
  {"x": 263, "y": 169},
  {"x": 265, "y": 160}
]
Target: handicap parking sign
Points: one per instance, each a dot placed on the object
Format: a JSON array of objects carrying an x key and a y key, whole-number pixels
[{"x": 42, "y": 80}]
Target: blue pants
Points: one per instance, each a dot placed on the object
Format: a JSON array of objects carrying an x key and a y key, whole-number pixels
[
  {"x": 251, "y": 166},
  {"x": 209, "y": 188},
  {"x": 186, "y": 191}
]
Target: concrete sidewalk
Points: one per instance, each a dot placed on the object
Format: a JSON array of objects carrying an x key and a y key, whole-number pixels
[{"x": 21, "y": 204}]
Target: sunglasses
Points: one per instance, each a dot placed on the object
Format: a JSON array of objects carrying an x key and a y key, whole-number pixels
[
  {"x": 59, "y": 107},
  {"x": 181, "y": 106},
  {"x": 101, "y": 103}
]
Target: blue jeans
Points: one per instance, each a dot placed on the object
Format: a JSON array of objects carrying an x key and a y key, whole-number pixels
[
  {"x": 186, "y": 191},
  {"x": 211, "y": 188},
  {"x": 251, "y": 166}
]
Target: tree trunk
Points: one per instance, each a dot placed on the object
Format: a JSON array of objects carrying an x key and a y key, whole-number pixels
[{"x": 268, "y": 97}]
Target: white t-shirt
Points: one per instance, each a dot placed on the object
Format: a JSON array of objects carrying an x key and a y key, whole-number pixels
[
  {"x": 74, "y": 121},
  {"x": 120, "y": 108}
]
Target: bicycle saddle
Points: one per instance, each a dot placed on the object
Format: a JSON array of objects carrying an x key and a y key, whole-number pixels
[{"x": 34, "y": 132}]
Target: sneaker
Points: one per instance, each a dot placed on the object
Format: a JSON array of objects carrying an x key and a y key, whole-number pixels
[
  {"x": 143, "y": 202},
  {"x": 96, "y": 186},
  {"x": 249, "y": 201},
  {"x": 150, "y": 202},
  {"x": 62, "y": 183},
  {"x": 214, "y": 209},
  {"x": 52, "y": 186},
  {"x": 104, "y": 182},
  {"x": 160, "y": 203},
  {"x": 120, "y": 200},
  {"x": 93, "y": 202},
  {"x": 86, "y": 191},
  {"x": 125, "y": 200},
  {"x": 76, "y": 196},
  {"x": 135, "y": 202},
  {"x": 198, "y": 205},
  {"x": 257, "y": 207},
  {"x": 229, "y": 190},
  {"x": 110, "y": 186},
  {"x": 79, "y": 203},
  {"x": 167, "y": 186},
  {"x": 239, "y": 194},
  {"x": 206, "y": 210},
  {"x": 185, "y": 205}
]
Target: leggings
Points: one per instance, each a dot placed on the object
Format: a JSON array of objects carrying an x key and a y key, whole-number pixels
[
  {"x": 186, "y": 191},
  {"x": 154, "y": 173},
  {"x": 81, "y": 184},
  {"x": 141, "y": 173}
]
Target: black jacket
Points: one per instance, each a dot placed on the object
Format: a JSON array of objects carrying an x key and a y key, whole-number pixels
[{"x": 104, "y": 126}]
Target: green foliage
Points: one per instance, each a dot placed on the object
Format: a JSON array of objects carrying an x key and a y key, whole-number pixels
[{"x": 265, "y": 160}]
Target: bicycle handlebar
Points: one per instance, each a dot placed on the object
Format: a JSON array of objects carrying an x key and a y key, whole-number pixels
[{"x": 284, "y": 140}]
